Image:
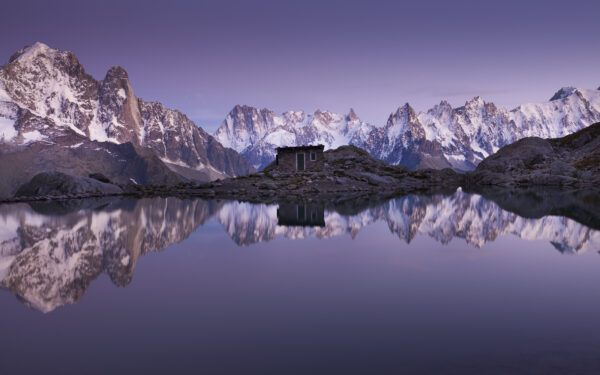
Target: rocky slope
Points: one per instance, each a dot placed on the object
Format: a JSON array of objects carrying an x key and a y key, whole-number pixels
[
  {"x": 46, "y": 97},
  {"x": 438, "y": 138},
  {"x": 573, "y": 160}
]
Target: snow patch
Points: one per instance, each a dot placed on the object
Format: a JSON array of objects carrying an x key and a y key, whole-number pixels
[
  {"x": 7, "y": 129},
  {"x": 125, "y": 260},
  {"x": 33, "y": 136},
  {"x": 4, "y": 97}
]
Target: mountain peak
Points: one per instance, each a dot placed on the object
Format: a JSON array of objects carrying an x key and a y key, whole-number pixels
[
  {"x": 116, "y": 72},
  {"x": 405, "y": 113},
  {"x": 28, "y": 53},
  {"x": 405, "y": 109},
  {"x": 476, "y": 101},
  {"x": 563, "y": 93},
  {"x": 352, "y": 115}
]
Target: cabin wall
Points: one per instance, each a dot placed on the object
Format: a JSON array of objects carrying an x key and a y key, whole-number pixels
[{"x": 287, "y": 161}]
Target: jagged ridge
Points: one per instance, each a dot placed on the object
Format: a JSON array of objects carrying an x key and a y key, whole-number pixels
[{"x": 440, "y": 137}]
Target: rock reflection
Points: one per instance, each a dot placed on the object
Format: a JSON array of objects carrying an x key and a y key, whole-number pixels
[{"x": 50, "y": 253}]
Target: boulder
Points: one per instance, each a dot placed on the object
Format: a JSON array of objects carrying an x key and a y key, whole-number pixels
[{"x": 61, "y": 184}]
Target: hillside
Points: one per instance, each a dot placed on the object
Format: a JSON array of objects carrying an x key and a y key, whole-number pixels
[{"x": 573, "y": 160}]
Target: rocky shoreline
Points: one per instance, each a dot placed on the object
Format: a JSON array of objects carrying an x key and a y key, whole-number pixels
[{"x": 351, "y": 173}]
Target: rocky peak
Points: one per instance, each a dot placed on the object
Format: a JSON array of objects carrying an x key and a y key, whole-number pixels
[
  {"x": 116, "y": 73},
  {"x": 31, "y": 52},
  {"x": 405, "y": 114},
  {"x": 247, "y": 112},
  {"x": 441, "y": 109},
  {"x": 324, "y": 117},
  {"x": 294, "y": 117},
  {"x": 116, "y": 83},
  {"x": 562, "y": 93},
  {"x": 490, "y": 108},
  {"x": 352, "y": 115},
  {"x": 476, "y": 102},
  {"x": 47, "y": 60}
]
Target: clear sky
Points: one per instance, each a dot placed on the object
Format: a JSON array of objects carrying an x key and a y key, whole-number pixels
[{"x": 204, "y": 57}]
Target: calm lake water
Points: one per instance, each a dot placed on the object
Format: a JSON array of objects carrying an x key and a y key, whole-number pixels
[{"x": 443, "y": 284}]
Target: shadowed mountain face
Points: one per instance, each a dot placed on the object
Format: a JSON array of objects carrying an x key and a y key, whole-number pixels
[{"x": 50, "y": 253}]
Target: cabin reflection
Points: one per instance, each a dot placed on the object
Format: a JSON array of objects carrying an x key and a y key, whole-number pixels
[{"x": 301, "y": 214}]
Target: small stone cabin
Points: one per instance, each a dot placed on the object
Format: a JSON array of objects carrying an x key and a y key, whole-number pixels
[
  {"x": 300, "y": 158},
  {"x": 305, "y": 214}
]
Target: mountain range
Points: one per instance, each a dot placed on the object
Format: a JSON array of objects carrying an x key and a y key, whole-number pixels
[
  {"x": 56, "y": 117},
  {"x": 441, "y": 137}
]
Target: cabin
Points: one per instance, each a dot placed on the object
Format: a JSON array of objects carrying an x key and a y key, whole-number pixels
[
  {"x": 306, "y": 214},
  {"x": 300, "y": 158}
]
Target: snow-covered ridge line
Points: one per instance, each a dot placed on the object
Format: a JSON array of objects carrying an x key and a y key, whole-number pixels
[{"x": 442, "y": 136}]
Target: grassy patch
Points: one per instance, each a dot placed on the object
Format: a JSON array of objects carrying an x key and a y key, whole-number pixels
[{"x": 590, "y": 162}]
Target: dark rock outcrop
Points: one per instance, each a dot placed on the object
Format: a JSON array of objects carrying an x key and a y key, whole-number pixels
[
  {"x": 573, "y": 160},
  {"x": 120, "y": 163},
  {"x": 52, "y": 184}
]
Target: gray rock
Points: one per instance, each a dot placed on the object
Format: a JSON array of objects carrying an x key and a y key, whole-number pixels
[{"x": 60, "y": 184}]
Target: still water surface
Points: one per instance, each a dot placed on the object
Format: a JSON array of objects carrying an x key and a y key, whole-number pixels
[{"x": 421, "y": 284}]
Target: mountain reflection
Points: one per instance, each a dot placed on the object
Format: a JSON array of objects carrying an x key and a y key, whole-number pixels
[{"x": 50, "y": 253}]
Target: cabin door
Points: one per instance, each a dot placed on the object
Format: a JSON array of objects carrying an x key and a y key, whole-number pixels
[{"x": 300, "y": 161}]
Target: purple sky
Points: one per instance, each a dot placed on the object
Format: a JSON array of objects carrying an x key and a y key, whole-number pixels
[{"x": 203, "y": 57}]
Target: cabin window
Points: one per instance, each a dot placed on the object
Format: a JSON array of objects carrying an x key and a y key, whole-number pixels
[
  {"x": 313, "y": 156},
  {"x": 300, "y": 161}
]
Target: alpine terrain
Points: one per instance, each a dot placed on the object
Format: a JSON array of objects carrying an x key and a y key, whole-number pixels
[
  {"x": 55, "y": 116},
  {"x": 438, "y": 138}
]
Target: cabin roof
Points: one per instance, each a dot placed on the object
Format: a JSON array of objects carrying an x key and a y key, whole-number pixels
[{"x": 300, "y": 148}]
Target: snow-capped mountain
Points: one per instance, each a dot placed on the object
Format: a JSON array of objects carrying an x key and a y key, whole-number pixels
[
  {"x": 46, "y": 96},
  {"x": 256, "y": 133},
  {"x": 440, "y": 137}
]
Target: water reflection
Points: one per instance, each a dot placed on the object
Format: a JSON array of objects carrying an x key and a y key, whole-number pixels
[{"x": 49, "y": 253}]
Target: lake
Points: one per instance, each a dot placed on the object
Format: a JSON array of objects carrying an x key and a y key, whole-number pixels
[{"x": 442, "y": 284}]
